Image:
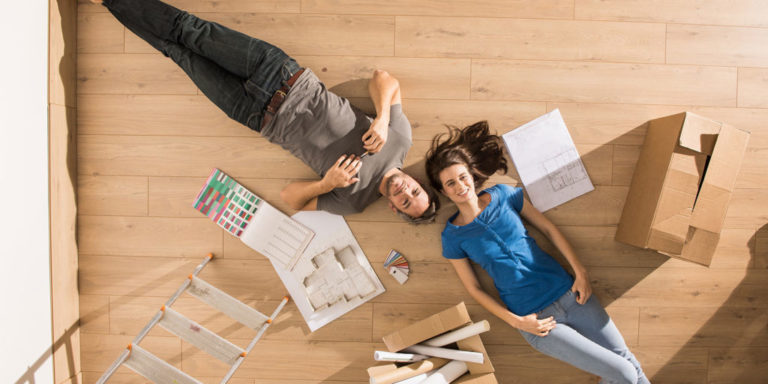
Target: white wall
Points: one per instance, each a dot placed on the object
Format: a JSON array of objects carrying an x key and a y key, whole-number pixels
[{"x": 25, "y": 299}]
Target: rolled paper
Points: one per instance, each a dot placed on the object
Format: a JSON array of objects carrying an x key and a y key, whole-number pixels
[
  {"x": 408, "y": 371},
  {"x": 447, "y": 373},
  {"x": 450, "y": 354},
  {"x": 417, "y": 379},
  {"x": 458, "y": 334},
  {"x": 399, "y": 357}
]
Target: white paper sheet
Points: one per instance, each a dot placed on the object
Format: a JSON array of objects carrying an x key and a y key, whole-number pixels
[
  {"x": 547, "y": 161},
  {"x": 330, "y": 231}
]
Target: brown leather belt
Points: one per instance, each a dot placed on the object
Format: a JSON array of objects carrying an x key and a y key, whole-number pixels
[{"x": 278, "y": 98}]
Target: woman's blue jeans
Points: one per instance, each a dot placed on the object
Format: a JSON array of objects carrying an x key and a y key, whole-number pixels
[
  {"x": 236, "y": 72},
  {"x": 586, "y": 338}
]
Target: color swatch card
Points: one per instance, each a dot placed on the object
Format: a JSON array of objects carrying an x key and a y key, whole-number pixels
[
  {"x": 254, "y": 221},
  {"x": 397, "y": 266}
]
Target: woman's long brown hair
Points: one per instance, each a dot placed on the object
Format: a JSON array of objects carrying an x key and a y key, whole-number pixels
[{"x": 473, "y": 146}]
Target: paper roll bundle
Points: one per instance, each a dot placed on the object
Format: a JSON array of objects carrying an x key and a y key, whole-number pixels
[
  {"x": 418, "y": 379},
  {"x": 447, "y": 373},
  {"x": 408, "y": 371},
  {"x": 459, "y": 334},
  {"x": 450, "y": 354},
  {"x": 399, "y": 357}
]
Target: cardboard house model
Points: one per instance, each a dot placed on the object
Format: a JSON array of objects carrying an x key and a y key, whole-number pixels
[{"x": 682, "y": 186}]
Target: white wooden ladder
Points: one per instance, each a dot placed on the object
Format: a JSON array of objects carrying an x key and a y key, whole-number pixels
[{"x": 159, "y": 371}]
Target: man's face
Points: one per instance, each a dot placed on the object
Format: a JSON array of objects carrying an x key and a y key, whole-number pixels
[{"x": 406, "y": 195}]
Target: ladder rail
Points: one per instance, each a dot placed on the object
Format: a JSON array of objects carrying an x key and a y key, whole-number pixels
[
  {"x": 242, "y": 313},
  {"x": 255, "y": 340}
]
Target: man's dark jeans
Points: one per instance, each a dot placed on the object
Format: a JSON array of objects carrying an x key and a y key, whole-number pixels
[{"x": 236, "y": 72}]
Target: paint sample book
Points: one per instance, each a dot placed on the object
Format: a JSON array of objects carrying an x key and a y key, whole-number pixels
[{"x": 251, "y": 219}]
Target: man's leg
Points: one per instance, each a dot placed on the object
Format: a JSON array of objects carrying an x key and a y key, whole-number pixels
[
  {"x": 230, "y": 93},
  {"x": 240, "y": 54}
]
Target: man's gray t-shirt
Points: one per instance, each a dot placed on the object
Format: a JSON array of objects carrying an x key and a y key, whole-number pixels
[{"x": 317, "y": 126}]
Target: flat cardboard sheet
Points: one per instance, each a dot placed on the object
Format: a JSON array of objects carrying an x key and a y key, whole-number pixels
[
  {"x": 331, "y": 231},
  {"x": 547, "y": 161}
]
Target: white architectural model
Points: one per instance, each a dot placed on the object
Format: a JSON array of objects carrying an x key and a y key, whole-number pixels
[
  {"x": 333, "y": 276},
  {"x": 337, "y": 277}
]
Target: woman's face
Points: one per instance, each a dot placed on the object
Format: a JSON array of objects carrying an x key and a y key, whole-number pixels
[{"x": 458, "y": 184}]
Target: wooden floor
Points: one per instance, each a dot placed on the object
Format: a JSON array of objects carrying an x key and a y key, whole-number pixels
[{"x": 147, "y": 139}]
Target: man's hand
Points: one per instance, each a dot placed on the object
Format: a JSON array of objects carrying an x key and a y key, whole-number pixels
[
  {"x": 536, "y": 326},
  {"x": 376, "y": 136},
  {"x": 342, "y": 173}
]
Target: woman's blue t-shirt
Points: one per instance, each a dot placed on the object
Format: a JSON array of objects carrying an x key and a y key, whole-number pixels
[{"x": 527, "y": 278}]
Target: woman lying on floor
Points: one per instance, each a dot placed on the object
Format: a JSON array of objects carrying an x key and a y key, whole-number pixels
[{"x": 554, "y": 311}]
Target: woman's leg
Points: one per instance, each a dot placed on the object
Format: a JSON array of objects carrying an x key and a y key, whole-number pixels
[
  {"x": 593, "y": 322},
  {"x": 568, "y": 344}
]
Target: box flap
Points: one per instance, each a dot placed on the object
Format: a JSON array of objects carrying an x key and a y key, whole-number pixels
[
  {"x": 432, "y": 326},
  {"x": 700, "y": 246},
  {"x": 647, "y": 180},
  {"x": 381, "y": 369},
  {"x": 475, "y": 344},
  {"x": 720, "y": 179},
  {"x": 699, "y": 133},
  {"x": 485, "y": 378}
]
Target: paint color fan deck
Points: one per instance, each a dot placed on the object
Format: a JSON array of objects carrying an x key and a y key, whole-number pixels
[{"x": 251, "y": 219}]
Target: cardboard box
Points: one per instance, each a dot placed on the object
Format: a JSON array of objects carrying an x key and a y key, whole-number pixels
[
  {"x": 682, "y": 185},
  {"x": 437, "y": 324}
]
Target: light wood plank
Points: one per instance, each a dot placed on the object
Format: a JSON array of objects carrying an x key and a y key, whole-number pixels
[
  {"x": 741, "y": 365},
  {"x": 704, "y": 327},
  {"x": 419, "y": 77},
  {"x": 754, "y": 169},
  {"x": 737, "y": 12},
  {"x": 94, "y": 314},
  {"x": 319, "y": 360},
  {"x": 746, "y": 209},
  {"x": 753, "y": 87},
  {"x": 303, "y": 34},
  {"x": 603, "y": 82},
  {"x": 761, "y": 248},
  {"x": 131, "y": 276},
  {"x": 428, "y": 117},
  {"x": 99, "y": 33},
  {"x": 622, "y": 124},
  {"x": 266, "y": 6},
  {"x": 112, "y": 195},
  {"x": 710, "y": 45},
  {"x": 173, "y": 196},
  {"x": 107, "y": 73},
  {"x": 529, "y": 39},
  {"x": 165, "y": 115},
  {"x": 186, "y": 156},
  {"x": 599, "y": 207},
  {"x": 100, "y": 350},
  {"x": 523, "y": 364},
  {"x": 132, "y": 378},
  {"x": 144, "y": 236},
  {"x": 683, "y": 287},
  {"x": 549, "y": 9},
  {"x": 673, "y": 365},
  {"x": 624, "y": 161}
]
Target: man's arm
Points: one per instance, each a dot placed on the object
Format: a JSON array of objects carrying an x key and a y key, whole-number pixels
[
  {"x": 303, "y": 194},
  {"x": 385, "y": 92}
]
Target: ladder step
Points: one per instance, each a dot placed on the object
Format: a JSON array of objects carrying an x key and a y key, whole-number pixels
[
  {"x": 200, "y": 337},
  {"x": 154, "y": 369},
  {"x": 226, "y": 303}
]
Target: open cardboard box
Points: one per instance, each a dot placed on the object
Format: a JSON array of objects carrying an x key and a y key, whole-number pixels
[
  {"x": 682, "y": 186},
  {"x": 437, "y": 324}
]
